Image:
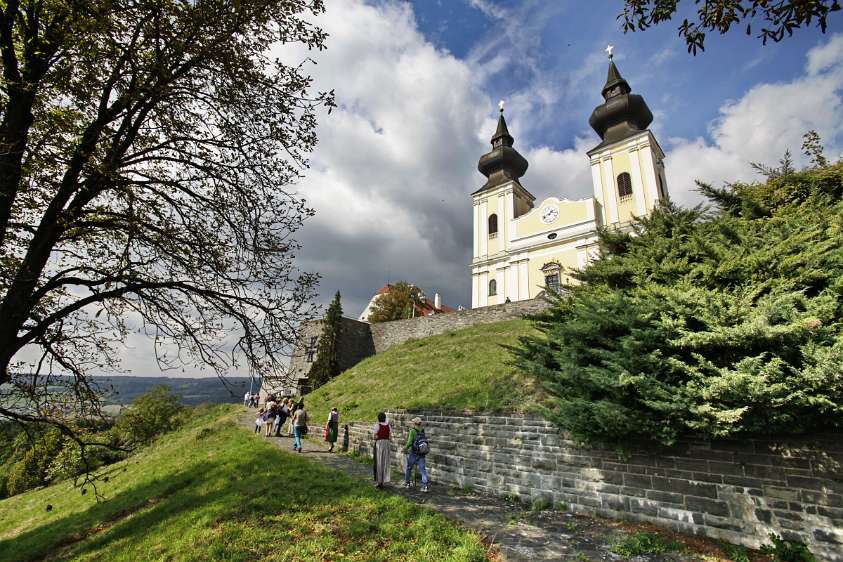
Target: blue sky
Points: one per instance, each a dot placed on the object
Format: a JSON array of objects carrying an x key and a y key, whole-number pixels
[
  {"x": 559, "y": 37},
  {"x": 417, "y": 85}
]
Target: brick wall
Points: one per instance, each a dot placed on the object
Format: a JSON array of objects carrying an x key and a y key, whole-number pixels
[{"x": 737, "y": 491}]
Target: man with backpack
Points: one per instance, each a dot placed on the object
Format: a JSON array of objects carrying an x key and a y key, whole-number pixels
[{"x": 417, "y": 448}]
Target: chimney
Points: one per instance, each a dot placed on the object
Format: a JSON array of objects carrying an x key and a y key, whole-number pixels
[{"x": 437, "y": 301}]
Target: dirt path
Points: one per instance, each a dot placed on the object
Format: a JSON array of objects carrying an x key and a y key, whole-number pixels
[{"x": 519, "y": 533}]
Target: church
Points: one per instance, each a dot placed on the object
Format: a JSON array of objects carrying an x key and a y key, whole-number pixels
[{"x": 522, "y": 249}]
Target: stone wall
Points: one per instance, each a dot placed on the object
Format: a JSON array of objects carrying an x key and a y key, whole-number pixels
[
  {"x": 738, "y": 491},
  {"x": 354, "y": 345},
  {"x": 387, "y": 334},
  {"x": 359, "y": 340}
]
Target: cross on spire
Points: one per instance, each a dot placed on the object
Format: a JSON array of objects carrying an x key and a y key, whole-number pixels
[
  {"x": 500, "y": 105},
  {"x": 609, "y": 49}
]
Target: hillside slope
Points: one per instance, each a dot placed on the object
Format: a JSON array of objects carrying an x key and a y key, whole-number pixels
[
  {"x": 461, "y": 370},
  {"x": 212, "y": 491}
]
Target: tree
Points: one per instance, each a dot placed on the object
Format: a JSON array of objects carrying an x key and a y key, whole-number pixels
[
  {"x": 401, "y": 301},
  {"x": 776, "y": 18},
  {"x": 145, "y": 146},
  {"x": 720, "y": 323},
  {"x": 812, "y": 147},
  {"x": 326, "y": 366}
]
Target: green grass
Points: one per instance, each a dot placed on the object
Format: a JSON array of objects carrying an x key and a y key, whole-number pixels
[
  {"x": 212, "y": 491},
  {"x": 461, "y": 370},
  {"x": 642, "y": 543}
]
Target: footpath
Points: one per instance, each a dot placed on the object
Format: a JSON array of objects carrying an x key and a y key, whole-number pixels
[{"x": 518, "y": 532}]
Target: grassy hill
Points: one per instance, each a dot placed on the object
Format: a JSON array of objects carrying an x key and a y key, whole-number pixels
[
  {"x": 461, "y": 370},
  {"x": 212, "y": 491}
]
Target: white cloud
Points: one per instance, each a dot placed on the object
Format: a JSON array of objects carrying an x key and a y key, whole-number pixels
[{"x": 768, "y": 120}]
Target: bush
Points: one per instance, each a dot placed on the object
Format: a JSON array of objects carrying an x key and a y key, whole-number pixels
[
  {"x": 787, "y": 551},
  {"x": 156, "y": 412},
  {"x": 721, "y": 323}
]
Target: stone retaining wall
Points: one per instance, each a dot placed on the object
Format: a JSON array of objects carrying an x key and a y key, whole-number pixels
[
  {"x": 738, "y": 491},
  {"x": 387, "y": 334}
]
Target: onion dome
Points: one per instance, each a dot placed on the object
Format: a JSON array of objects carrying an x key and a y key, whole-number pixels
[
  {"x": 622, "y": 114},
  {"x": 503, "y": 163}
]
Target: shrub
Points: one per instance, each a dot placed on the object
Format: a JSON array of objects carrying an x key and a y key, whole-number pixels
[
  {"x": 641, "y": 543},
  {"x": 787, "y": 551},
  {"x": 721, "y": 323},
  {"x": 156, "y": 412}
]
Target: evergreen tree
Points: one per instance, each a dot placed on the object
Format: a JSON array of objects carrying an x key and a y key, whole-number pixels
[
  {"x": 721, "y": 322},
  {"x": 326, "y": 366}
]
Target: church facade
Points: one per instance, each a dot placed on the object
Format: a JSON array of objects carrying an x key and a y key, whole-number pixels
[{"x": 522, "y": 248}]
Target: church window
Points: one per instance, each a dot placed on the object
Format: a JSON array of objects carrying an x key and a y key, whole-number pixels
[
  {"x": 624, "y": 186},
  {"x": 552, "y": 276},
  {"x": 311, "y": 349},
  {"x": 493, "y": 226},
  {"x": 493, "y": 287},
  {"x": 661, "y": 186}
]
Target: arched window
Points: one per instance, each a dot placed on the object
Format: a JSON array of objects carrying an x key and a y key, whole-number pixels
[
  {"x": 493, "y": 225},
  {"x": 624, "y": 186},
  {"x": 493, "y": 287}
]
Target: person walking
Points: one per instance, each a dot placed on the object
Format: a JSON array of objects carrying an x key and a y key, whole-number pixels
[
  {"x": 247, "y": 398},
  {"x": 416, "y": 449},
  {"x": 293, "y": 407},
  {"x": 269, "y": 420},
  {"x": 259, "y": 421},
  {"x": 283, "y": 414},
  {"x": 299, "y": 426},
  {"x": 332, "y": 428},
  {"x": 382, "y": 434}
]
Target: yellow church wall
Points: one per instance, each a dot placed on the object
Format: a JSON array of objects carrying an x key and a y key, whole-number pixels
[
  {"x": 495, "y": 244},
  {"x": 566, "y": 257},
  {"x": 570, "y": 212}
]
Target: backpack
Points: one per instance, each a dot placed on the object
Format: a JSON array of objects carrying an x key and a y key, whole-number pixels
[{"x": 420, "y": 445}]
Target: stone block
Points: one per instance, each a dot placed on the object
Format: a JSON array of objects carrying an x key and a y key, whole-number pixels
[
  {"x": 638, "y": 480},
  {"x": 707, "y": 506},
  {"x": 685, "y": 487},
  {"x": 647, "y": 507},
  {"x": 723, "y": 522},
  {"x": 666, "y": 497},
  {"x": 789, "y": 494}
]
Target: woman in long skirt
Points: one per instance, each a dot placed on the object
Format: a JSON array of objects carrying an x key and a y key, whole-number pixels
[
  {"x": 381, "y": 433},
  {"x": 333, "y": 428}
]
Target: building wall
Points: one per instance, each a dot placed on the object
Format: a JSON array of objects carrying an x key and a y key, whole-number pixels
[
  {"x": 738, "y": 491},
  {"x": 354, "y": 345}
]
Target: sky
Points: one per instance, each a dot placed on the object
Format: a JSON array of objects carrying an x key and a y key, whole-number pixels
[{"x": 417, "y": 86}]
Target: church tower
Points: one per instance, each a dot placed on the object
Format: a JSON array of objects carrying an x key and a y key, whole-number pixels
[
  {"x": 524, "y": 248},
  {"x": 627, "y": 167},
  {"x": 501, "y": 199}
]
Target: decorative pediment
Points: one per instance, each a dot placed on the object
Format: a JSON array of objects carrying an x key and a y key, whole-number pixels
[{"x": 551, "y": 267}]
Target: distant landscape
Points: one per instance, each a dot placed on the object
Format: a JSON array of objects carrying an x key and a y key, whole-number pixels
[{"x": 192, "y": 391}]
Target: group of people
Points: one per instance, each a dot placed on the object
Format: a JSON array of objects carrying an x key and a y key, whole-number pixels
[
  {"x": 275, "y": 413},
  {"x": 416, "y": 449},
  {"x": 251, "y": 400}
]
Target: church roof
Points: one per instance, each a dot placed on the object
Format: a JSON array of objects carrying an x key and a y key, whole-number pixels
[
  {"x": 623, "y": 114},
  {"x": 503, "y": 163}
]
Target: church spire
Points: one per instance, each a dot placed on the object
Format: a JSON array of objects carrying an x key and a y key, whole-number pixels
[
  {"x": 503, "y": 163},
  {"x": 622, "y": 114}
]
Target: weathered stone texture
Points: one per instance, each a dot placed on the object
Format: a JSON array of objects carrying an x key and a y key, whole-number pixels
[
  {"x": 387, "y": 334},
  {"x": 733, "y": 490}
]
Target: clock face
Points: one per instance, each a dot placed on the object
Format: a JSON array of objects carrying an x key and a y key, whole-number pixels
[{"x": 549, "y": 214}]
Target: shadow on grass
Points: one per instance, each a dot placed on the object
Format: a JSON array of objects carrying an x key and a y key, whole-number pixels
[{"x": 263, "y": 483}]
